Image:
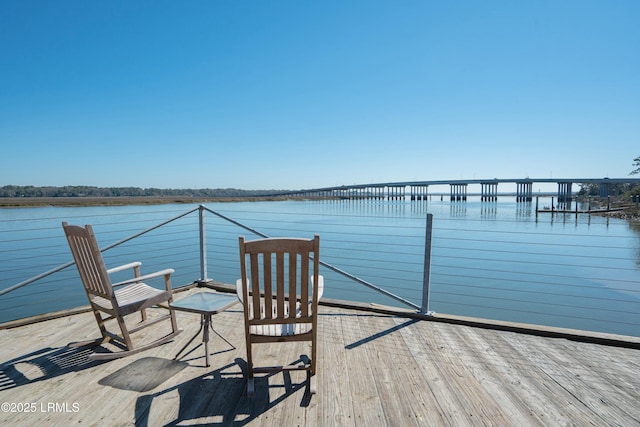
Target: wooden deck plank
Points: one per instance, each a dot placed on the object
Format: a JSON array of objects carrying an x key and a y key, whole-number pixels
[
  {"x": 473, "y": 400},
  {"x": 407, "y": 401},
  {"x": 530, "y": 385},
  {"x": 367, "y": 405},
  {"x": 609, "y": 381},
  {"x": 563, "y": 363},
  {"x": 394, "y": 403},
  {"x": 373, "y": 369},
  {"x": 558, "y": 402},
  {"x": 492, "y": 363},
  {"x": 426, "y": 350},
  {"x": 416, "y": 340},
  {"x": 333, "y": 373}
]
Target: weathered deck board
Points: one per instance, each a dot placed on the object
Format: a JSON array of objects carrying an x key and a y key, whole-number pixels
[{"x": 374, "y": 369}]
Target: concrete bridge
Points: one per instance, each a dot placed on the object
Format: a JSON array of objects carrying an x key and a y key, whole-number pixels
[{"x": 419, "y": 190}]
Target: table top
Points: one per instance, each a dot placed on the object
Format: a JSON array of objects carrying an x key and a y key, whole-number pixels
[{"x": 205, "y": 303}]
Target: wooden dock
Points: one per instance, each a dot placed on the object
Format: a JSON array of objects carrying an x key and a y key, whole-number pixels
[{"x": 374, "y": 370}]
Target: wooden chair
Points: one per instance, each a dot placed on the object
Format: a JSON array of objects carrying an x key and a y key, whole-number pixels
[
  {"x": 279, "y": 298},
  {"x": 133, "y": 295}
]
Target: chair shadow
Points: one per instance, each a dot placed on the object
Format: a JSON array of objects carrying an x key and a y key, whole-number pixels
[
  {"x": 143, "y": 374},
  {"x": 219, "y": 395},
  {"x": 46, "y": 363}
]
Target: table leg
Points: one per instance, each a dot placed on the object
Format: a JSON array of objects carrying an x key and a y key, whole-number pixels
[
  {"x": 205, "y": 336},
  {"x": 205, "y": 325}
]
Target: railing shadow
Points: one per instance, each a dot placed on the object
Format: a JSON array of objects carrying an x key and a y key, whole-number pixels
[
  {"x": 380, "y": 334},
  {"x": 218, "y": 398},
  {"x": 44, "y": 364},
  {"x": 48, "y": 363}
]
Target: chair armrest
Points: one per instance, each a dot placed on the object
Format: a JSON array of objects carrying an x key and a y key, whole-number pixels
[
  {"x": 165, "y": 272},
  {"x": 124, "y": 267}
]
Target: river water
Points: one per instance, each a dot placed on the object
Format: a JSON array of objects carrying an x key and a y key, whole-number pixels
[{"x": 497, "y": 260}]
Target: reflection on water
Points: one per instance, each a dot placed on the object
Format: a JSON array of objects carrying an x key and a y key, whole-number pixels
[
  {"x": 489, "y": 210},
  {"x": 458, "y": 209}
]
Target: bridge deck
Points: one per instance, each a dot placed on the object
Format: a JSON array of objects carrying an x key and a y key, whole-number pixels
[{"x": 373, "y": 370}]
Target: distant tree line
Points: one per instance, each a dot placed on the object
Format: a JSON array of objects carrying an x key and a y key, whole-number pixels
[
  {"x": 88, "y": 191},
  {"x": 617, "y": 189}
]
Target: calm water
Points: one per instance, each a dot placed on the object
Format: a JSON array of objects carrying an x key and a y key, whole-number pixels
[{"x": 494, "y": 260}]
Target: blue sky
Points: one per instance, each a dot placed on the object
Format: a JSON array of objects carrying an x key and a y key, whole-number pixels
[{"x": 301, "y": 94}]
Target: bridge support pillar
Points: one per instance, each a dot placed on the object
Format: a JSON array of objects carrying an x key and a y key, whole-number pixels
[
  {"x": 564, "y": 192},
  {"x": 458, "y": 192},
  {"x": 488, "y": 191},
  {"x": 524, "y": 191},
  {"x": 419, "y": 192},
  {"x": 396, "y": 192},
  {"x": 605, "y": 189}
]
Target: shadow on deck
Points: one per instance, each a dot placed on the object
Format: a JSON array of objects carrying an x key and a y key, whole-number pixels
[{"x": 374, "y": 369}]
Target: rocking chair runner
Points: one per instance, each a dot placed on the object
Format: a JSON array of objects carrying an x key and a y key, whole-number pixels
[
  {"x": 133, "y": 295},
  {"x": 280, "y": 289}
]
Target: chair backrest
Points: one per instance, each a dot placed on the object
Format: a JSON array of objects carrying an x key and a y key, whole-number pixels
[
  {"x": 276, "y": 274},
  {"x": 88, "y": 258}
]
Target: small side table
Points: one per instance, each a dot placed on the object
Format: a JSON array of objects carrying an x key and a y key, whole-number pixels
[{"x": 206, "y": 304}]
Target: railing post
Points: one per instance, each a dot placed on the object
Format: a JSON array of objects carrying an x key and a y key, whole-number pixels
[
  {"x": 427, "y": 267},
  {"x": 203, "y": 245}
]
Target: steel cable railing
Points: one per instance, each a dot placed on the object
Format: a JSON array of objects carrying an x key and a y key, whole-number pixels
[{"x": 516, "y": 269}]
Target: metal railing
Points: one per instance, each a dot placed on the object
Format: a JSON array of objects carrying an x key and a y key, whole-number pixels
[
  {"x": 485, "y": 266},
  {"x": 203, "y": 262},
  {"x": 425, "y": 301}
]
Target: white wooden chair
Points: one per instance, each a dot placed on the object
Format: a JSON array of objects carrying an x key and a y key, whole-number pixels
[
  {"x": 132, "y": 296},
  {"x": 279, "y": 298}
]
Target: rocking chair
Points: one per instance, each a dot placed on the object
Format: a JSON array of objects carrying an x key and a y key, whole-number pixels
[
  {"x": 280, "y": 289},
  {"x": 133, "y": 295}
]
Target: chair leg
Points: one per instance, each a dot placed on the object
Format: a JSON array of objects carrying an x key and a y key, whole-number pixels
[
  {"x": 174, "y": 323},
  {"x": 313, "y": 383},
  {"x": 125, "y": 333},
  {"x": 312, "y": 368},
  {"x": 100, "y": 320},
  {"x": 250, "y": 378}
]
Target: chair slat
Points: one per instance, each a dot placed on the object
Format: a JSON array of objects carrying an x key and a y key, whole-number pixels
[
  {"x": 255, "y": 286},
  {"x": 280, "y": 294},
  {"x": 268, "y": 287},
  {"x": 293, "y": 288},
  {"x": 304, "y": 284}
]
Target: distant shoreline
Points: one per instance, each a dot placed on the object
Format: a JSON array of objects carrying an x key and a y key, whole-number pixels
[{"x": 26, "y": 202}]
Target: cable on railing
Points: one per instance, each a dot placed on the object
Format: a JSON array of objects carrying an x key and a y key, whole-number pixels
[
  {"x": 36, "y": 278},
  {"x": 68, "y": 264},
  {"x": 326, "y": 265}
]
